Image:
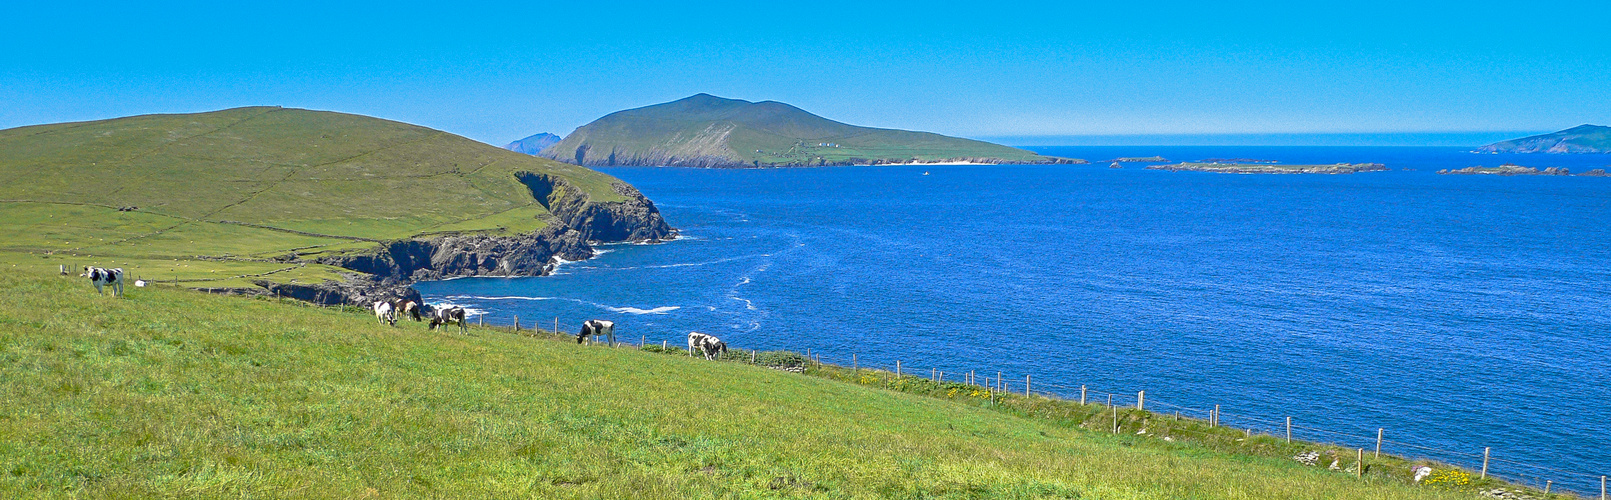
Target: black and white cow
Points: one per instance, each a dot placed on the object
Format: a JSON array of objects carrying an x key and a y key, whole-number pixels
[
  {"x": 593, "y": 328},
  {"x": 103, "y": 277},
  {"x": 386, "y": 313},
  {"x": 446, "y": 315},
  {"x": 709, "y": 345}
]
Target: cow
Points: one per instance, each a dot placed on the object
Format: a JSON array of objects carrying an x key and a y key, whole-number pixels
[
  {"x": 386, "y": 313},
  {"x": 445, "y": 315},
  {"x": 407, "y": 308},
  {"x": 593, "y": 328},
  {"x": 103, "y": 277},
  {"x": 711, "y": 346}
]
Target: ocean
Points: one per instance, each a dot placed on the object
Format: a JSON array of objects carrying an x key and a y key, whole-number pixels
[{"x": 1454, "y": 312}]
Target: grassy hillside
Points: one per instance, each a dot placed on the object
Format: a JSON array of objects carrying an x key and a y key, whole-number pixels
[
  {"x": 705, "y": 130},
  {"x": 1579, "y": 139},
  {"x": 175, "y": 393},
  {"x": 230, "y": 193}
]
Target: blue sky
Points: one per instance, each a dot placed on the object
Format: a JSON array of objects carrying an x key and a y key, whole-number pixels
[{"x": 498, "y": 72}]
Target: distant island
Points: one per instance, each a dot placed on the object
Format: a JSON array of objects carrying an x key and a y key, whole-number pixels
[
  {"x": 708, "y": 131},
  {"x": 534, "y": 144},
  {"x": 1509, "y": 169},
  {"x": 1579, "y": 139},
  {"x": 1264, "y": 168},
  {"x": 1139, "y": 159}
]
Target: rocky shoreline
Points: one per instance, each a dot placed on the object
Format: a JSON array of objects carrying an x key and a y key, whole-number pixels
[{"x": 389, "y": 270}]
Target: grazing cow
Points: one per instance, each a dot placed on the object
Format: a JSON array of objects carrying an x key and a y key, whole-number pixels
[
  {"x": 103, "y": 277},
  {"x": 449, "y": 314},
  {"x": 711, "y": 346},
  {"x": 386, "y": 313},
  {"x": 596, "y": 327},
  {"x": 408, "y": 308}
]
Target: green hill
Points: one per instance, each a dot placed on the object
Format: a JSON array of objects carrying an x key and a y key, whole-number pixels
[
  {"x": 1579, "y": 139},
  {"x": 169, "y": 393},
  {"x": 266, "y": 196},
  {"x": 708, "y": 131}
]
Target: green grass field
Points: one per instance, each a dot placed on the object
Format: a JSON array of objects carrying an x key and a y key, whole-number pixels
[
  {"x": 222, "y": 194},
  {"x": 172, "y": 393}
]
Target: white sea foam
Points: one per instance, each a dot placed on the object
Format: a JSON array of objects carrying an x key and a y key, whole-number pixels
[
  {"x": 634, "y": 310},
  {"x": 478, "y": 297},
  {"x": 706, "y": 263},
  {"x": 468, "y": 311}
]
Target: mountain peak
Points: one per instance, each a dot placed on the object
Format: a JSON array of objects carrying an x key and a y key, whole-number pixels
[{"x": 534, "y": 144}]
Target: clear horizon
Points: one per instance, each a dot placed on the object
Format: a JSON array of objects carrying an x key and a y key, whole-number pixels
[{"x": 500, "y": 72}]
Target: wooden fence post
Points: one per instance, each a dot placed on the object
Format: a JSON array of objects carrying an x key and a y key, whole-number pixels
[
  {"x": 643, "y": 341},
  {"x": 1026, "y": 386},
  {"x": 933, "y": 372},
  {"x": 1359, "y": 463},
  {"x": 663, "y": 345},
  {"x": 1289, "y": 429},
  {"x": 1082, "y": 394},
  {"x": 1602, "y": 487},
  {"x": 1141, "y": 400},
  {"x": 1115, "y": 417},
  {"x": 1378, "y": 442},
  {"x": 1484, "y": 463},
  {"x": 1000, "y": 386},
  {"x": 1547, "y": 484},
  {"x": 556, "y": 325},
  {"x": 752, "y": 357},
  {"x": 855, "y": 364},
  {"x": 1216, "y": 416},
  {"x": 897, "y": 368}
]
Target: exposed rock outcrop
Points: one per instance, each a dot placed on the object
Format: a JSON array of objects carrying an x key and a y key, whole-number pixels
[
  {"x": 468, "y": 255},
  {"x": 1506, "y": 170},
  {"x": 1261, "y": 168},
  {"x": 357, "y": 289}
]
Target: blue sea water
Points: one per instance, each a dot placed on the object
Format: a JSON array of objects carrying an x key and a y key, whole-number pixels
[{"x": 1456, "y": 312}]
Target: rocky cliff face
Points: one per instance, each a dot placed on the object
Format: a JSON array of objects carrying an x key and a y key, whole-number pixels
[
  {"x": 635, "y": 219},
  {"x": 468, "y": 255},
  {"x": 581, "y": 223}
]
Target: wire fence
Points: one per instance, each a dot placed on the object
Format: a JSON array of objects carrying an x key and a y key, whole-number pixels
[
  {"x": 1555, "y": 480},
  {"x": 1373, "y": 441}
]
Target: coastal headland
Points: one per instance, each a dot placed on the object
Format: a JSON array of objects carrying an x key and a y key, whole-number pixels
[
  {"x": 713, "y": 132},
  {"x": 1508, "y": 170},
  {"x": 319, "y": 206},
  {"x": 1589, "y": 139}
]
